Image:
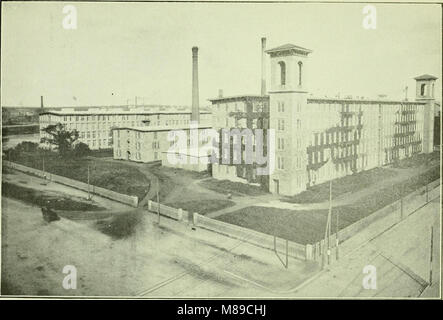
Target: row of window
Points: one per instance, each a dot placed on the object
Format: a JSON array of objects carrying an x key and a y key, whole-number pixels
[
  {"x": 282, "y": 65},
  {"x": 89, "y": 134}
]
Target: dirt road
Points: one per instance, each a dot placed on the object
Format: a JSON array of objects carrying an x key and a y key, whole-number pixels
[{"x": 158, "y": 261}]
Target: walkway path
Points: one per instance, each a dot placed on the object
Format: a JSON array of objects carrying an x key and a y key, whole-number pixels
[
  {"x": 350, "y": 197},
  {"x": 145, "y": 169},
  {"x": 399, "y": 254}
]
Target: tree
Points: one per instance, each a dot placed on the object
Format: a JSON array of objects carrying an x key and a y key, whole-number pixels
[
  {"x": 62, "y": 139},
  {"x": 26, "y": 146},
  {"x": 81, "y": 150}
]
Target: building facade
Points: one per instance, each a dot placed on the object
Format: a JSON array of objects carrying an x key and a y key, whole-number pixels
[
  {"x": 95, "y": 126},
  {"x": 313, "y": 140},
  {"x": 324, "y": 139},
  {"x": 231, "y": 116},
  {"x": 151, "y": 143}
]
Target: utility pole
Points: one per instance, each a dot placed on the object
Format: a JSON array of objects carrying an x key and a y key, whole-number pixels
[
  {"x": 336, "y": 236},
  {"x": 432, "y": 247},
  {"x": 328, "y": 229},
  {"x": 89, "y": 196},
  {"x": 427, "y": 193},
  {"x": 158, "y": 202},
  {"x": 329, "y": 222}
]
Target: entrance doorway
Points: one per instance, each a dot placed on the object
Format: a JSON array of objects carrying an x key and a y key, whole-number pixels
[{"x": 276, "y": 186}]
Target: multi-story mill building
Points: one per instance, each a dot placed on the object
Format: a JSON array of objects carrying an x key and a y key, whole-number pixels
[
  {"x": 319, "y": 139},
  {"x": 95, "y": 125}
]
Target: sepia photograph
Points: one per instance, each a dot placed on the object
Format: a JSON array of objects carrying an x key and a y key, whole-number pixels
[{"x": 221, "y": 150}]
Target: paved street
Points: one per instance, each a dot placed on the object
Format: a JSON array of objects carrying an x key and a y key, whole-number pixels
[
  {"x": 401, "y": 256},
  {"x": 172, "y": 260}
]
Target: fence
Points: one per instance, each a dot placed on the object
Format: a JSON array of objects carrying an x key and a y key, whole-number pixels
[
  {"x": 395, "y": 212},
  {"x": 126, "y": 199},
  {"x": 257, "y": 238},
  {"x": 392, "y": 214}
]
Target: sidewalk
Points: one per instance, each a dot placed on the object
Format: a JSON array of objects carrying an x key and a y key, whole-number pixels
[{"x": 400, "y": 254}]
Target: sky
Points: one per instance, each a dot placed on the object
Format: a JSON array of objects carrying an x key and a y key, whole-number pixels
[{"x": 123, "y": 50}]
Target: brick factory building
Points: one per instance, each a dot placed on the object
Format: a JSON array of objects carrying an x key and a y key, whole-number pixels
[{"x": 319, "y": 139}]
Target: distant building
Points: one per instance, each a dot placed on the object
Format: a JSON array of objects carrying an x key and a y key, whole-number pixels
[
  {"x": 146, "y": 144},
  {"x": 95, "y": 125}
]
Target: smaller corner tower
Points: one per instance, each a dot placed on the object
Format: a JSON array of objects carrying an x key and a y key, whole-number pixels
[{"x": 425, "y": 93}]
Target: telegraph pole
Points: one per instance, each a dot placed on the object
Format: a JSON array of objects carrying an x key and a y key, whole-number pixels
[
  {"x": 158, "y": 202},
  {"x": 432, "y": 247},
  {"x": 329, "y": 222},
  {"x": 336, "y": 236},
  {"x": 328, "y": 229},
  {"x": 89, "y": 196}
]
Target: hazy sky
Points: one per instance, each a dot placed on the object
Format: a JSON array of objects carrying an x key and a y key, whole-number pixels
[{"x": 122, "y": 50}]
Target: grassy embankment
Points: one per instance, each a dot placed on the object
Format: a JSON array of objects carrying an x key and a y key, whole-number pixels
[
  {"x": 40, "y": 198},
  {"x": 307, "y": 226},
  {"x": 115, "y": 176}
]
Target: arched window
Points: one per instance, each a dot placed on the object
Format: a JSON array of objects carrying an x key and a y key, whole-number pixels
[
  {"x": 422, "y": 89},
  {"x": 282, "y": 73},
  {"x": 300, "y": 64}
]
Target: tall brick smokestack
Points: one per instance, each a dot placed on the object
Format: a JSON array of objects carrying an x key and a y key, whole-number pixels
[
  {"x": 41, "y": 102},
  {"x": 263, "y": 66},
  {"x": 195, "y": 105}
]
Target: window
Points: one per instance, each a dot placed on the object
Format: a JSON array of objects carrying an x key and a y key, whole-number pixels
[
  {"x": 282, "y": 73},
  {"x": 300, "y": 65},
  {"x": 281, "y": 163},
  {"x": 281, "y": 143},
  {"x": 423, "y": 89}
]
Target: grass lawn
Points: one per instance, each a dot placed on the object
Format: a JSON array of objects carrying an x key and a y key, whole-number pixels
[
  {"x": 235, "y": 188},
  {"x": 351, "y": 183},
  {"x": 118, "y": 177},
  {"x": 308, "y": 226},
  {"x": 39, "y": 198},
  {"x": 426, "y": 159},
  {"x": 202, "y": 206},
  {"x": 361, "y": 180}
]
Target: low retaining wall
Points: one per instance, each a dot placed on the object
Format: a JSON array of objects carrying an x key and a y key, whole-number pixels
[
  {"x": 395, "y": 211},
  {"x": 257, "y": 238},
  {"x": 126, "y": 199}
]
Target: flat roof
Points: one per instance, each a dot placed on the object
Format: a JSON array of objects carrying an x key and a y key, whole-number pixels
[
  {"x": 120, "y": 112},
  {"x": 240, "y": 97},
  {"x": 159, "y": 128},
  {"x": 361, "y": 101}
]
